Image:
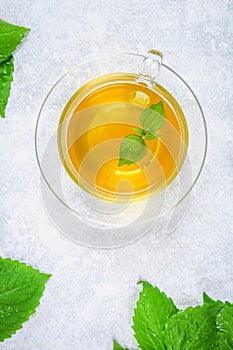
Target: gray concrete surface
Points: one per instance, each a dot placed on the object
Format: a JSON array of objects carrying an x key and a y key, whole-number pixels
[{"x": 91, "y": 296}]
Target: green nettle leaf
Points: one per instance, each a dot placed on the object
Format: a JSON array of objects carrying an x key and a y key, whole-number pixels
[
  {"x": 6, "y": 77},
  {"x": 139, "y": 131},
  {"x": 133, "y": 148},
  {"x": 10, "y": 36},
  {"x": 152, "y": 118},
  {"x": 224, "y": 323},
  {"x": 207, "y": 300},
  {"x": 151, "y": 315},
  {"x": 191, "y": 329},
  {"x": 159, "y": 108},
  {"x": 149, "y": 135},
  {"x": 21, "y": 288},
  {"x": 214, "y": 305},
  {"x": 117, "y": 346},
  {"x": 159, "y": 325}
]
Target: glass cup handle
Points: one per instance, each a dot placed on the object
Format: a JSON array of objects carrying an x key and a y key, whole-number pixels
[{"x": 150, "y": 67}]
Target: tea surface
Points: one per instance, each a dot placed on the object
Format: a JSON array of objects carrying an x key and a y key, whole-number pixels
[{"x": 92, "y": 127}]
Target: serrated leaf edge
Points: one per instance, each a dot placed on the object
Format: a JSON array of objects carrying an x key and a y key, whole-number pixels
[
  {"x": 10, "y": 81},
  {"x": 163, "y": 293},
  {"x": 36, "y": 306}
]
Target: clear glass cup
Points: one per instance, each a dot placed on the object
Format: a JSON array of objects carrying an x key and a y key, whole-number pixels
[{"x": 88, "y": 219}]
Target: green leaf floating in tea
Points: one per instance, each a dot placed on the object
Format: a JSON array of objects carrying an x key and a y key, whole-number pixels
[
  {"x": 10, "y": 37},
  {"x": 133, "y": 147},
  {"x": 153, "y": 118},
  {"x": 139, "y": 131},
  {"x": 150, "y": 135}
]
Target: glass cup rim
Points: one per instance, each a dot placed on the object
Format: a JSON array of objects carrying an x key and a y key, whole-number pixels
[{"x": 108, "y": 55}]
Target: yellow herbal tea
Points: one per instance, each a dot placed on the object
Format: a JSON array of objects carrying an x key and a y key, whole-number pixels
[{"x": 94, "y": 122}]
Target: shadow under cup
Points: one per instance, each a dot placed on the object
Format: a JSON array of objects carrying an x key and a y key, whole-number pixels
[{"x": 87, "y": 214}]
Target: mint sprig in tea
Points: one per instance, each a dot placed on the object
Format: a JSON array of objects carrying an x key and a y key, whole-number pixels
[
  {"x": 119, "y": 138},
  {"x": 133, "y": 147}
]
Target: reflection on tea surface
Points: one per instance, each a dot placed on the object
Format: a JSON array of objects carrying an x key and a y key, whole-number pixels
[{"x": 91, "y": 129}]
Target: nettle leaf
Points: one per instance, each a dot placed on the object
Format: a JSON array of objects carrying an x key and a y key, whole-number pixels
[
  {"x": 133, "y": 148},
  {"x": 151, "y": 315},
  {"x": 149, "y": 135},
  {"x": 207, "y": 300},
  {"x": 21, "y": 288},
  {"x": 139, "y": 131},
  {"x": 224, "y": 323},
  {"x": 6, "y": 77},
  {"x": 152, "y": 118},
  {"x": 193, "y": 329},
  {"x": 117, "y": 346},
  {"x": 159, "y": 108},
  {"x": 159, "y": 325},
  {"x": 214, "y": 305},
  {"x": 10, "y": 36}
]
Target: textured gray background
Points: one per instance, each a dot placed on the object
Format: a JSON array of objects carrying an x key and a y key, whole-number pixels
[{"x": 91, "y": 296}]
